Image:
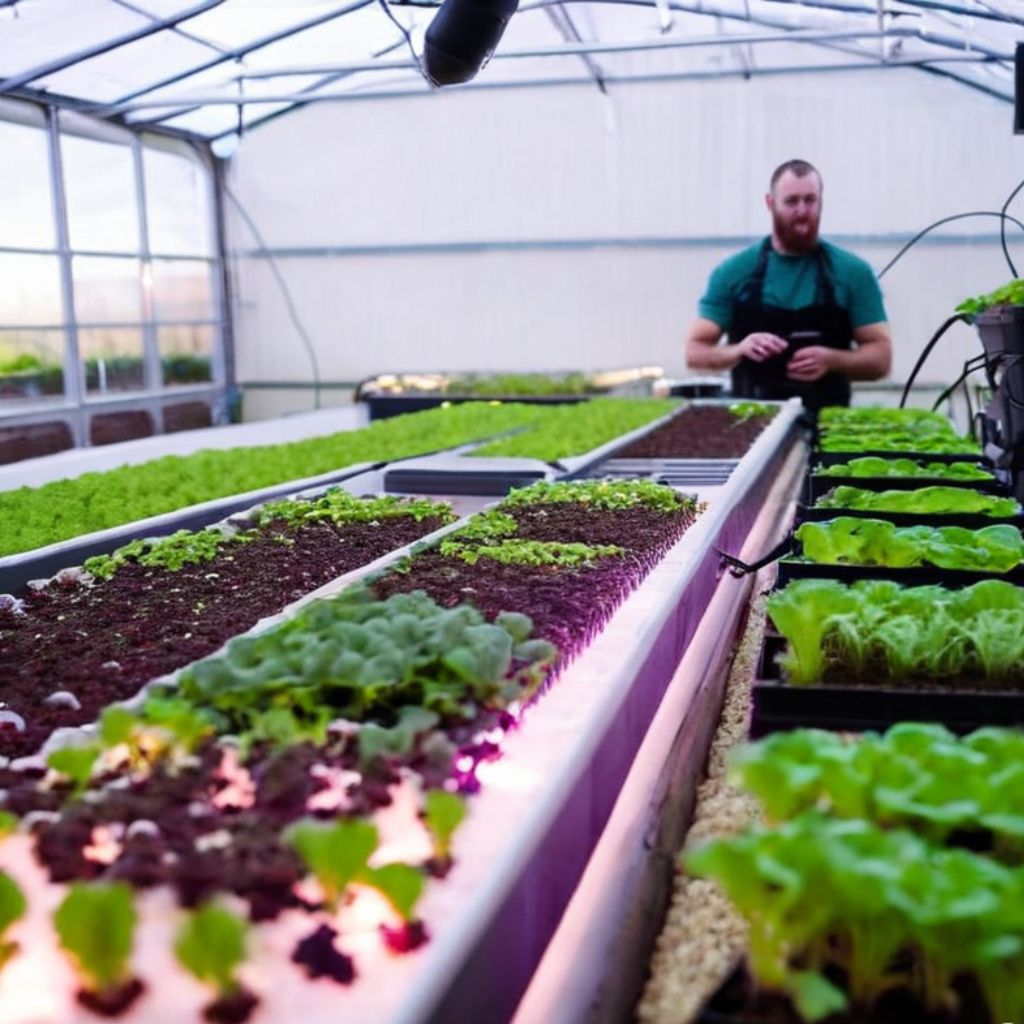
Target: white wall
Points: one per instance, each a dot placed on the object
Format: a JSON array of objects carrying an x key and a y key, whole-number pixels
[{"x": 684, "y": 162}]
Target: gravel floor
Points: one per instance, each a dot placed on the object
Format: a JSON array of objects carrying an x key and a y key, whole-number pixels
[{"x": 704, "y": 938}]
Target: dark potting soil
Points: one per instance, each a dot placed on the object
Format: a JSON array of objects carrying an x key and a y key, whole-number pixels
[
  {"x": 699, "y": 432},
  {"x": 568, "y": 605},
  {"x": 181, "y": 825},
  {"x": 738, "y": 1001},
  {"x": 102, "y": 641}
]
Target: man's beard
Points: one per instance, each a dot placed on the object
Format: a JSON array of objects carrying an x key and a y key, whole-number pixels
[{"x": 795, "y": 241}]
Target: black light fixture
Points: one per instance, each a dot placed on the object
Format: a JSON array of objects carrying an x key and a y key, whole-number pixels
[{"x": 462, "y": 37}]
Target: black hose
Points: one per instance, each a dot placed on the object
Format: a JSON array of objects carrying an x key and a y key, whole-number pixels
[{"x": 926, "y": 352}]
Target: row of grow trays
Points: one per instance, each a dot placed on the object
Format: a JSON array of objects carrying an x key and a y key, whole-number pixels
[
  {"x": 697, "y": 443},
  {"x": 846, "y": 547},
  {"x": 884, "y": 881},
  {"x": 602, "y": 736},
  {"x": 67, "y": 521}
]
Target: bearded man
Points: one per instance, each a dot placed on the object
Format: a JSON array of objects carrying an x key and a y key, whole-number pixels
[{"x": 802, "y": 317}]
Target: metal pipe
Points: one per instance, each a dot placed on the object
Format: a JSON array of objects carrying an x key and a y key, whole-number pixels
[
  {"x": 572, "y": 49},
  {"x": 610, "y": 79},
  {"x": 51, "y": 67},
  {"x": 109, "y": 109}
]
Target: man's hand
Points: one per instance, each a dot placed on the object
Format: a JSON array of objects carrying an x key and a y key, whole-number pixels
[
  {"x": 811, "y": 363},
  {"x": 761, "y": 345}
]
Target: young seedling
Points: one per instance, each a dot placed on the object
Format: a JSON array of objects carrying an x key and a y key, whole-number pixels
[
  {"x": 76, "y": 763},
  {"x": 12, "y": 907},
  {"x": 211, "y": 945},
  {"x": 96, "y": 926},
  {"x": 443, "y": 812},
  {"x": 335, "y": 853}
]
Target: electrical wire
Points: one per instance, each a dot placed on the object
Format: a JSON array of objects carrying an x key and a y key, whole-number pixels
[
  {"x": 971, "y": 365},
  {"x": 926, "y": 352},
  {"x": 293, "y": 312},
  {"x": 1002, "y": 226},
  {"x": 1001, "y": 214},
  {"x": 386, "y": 8}
]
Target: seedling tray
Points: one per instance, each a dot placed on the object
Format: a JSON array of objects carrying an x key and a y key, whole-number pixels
[
  {"x": 970, "y": 521},
  {"x": 819, "y": 484},
  {"x": 777, "y": 706},
  {"x": 17, "y": 570}
]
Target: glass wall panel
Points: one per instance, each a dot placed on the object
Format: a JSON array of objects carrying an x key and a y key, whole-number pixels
[
  {"x": 178, "y": 212},
  {"x": 31, "y": 290},
  {"x": 26, "y": 199},
  {"x": 31, "y": 365},
  {"x": 107, "y": 289},
  {"x": 182, "y": 290},
  {"x": 112, "y": 357},
  {"x": 99, "y": 178},
  {"x": 186, "y": 354}
]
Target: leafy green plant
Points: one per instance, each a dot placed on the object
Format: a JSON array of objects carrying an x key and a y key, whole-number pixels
[
  {"x": 1009, "y": 294},
  {"x": 851, "y": 541},
  {"x": 211, "y": 945},
  {"x": 820, "y": 893},
  {"x": 8, "y": 824},
  {"x": 923, "y": 501},
  {"x": 882, "y": 631},
  {"x": 565, "y": 430},
  {"x": 529, "y": 552},
  {"x": 35, "y": 516},
  {"x": 443, "y": 812},
  {"x": 600, "y": 494},
  {"x": 76, "y": 763},
  {"x": 96, "y": 926},
  {"x": 174, "y": 552},
  {"x": 338, "y": 854},
  {"x": 338, "y": 506},
  {"x": 12, "y": 907},
  {"x": 876, "y": 466}
]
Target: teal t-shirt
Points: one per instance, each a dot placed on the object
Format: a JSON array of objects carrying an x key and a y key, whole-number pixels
[{"x": 792, "y": 282}]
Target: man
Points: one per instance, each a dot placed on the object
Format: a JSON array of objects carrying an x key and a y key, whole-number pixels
[{"x": 803, "y": 317}]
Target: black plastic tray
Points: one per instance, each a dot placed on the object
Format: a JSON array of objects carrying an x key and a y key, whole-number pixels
[
  {"x": 818, "y": 484},
  {"x": 831, "y": 458},
  {"x": 921, "y": 576},
  {"x": 970, "y": 521},
  {"x": 465, "y": 482},
  {"x": 777, "y": 706}
]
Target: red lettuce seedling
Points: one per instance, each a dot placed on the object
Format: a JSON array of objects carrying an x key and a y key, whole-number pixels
[
  {"x": 96, "y": 926},
  {"x": 12, "y": 907},
  {"x": 211, "y": 945}
]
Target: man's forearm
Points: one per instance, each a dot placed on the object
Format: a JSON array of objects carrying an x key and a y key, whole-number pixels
[
  {"x": 865, "y": 363},
  {"x": 700, "y": 356}
]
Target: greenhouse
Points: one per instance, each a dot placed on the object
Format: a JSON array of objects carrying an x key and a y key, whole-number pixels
[{"x": 511, "y": 511}]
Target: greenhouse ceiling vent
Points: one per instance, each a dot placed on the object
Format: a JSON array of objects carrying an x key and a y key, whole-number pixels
[{"x": 462, "y": 37}]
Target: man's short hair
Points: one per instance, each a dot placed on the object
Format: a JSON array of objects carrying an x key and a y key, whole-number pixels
[{"x": 801, "y": 168}]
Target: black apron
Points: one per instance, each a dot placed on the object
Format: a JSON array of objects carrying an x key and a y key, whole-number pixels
[{"x": 824, "y": 322}]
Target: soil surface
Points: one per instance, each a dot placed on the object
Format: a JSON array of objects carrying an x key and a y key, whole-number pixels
[
  {"x": 102, "y": 641},
  {"x": 568, "y": 605},
  {"x": 699, "y": 432}
]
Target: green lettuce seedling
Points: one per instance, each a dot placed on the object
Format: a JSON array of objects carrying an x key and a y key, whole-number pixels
[
  {"x": 8, "y": 824},
  {"x": 803, "y": 617},
  {"x": 12, "y": 907},
  {"x": 96, "y": 926},
  {"x": 76, "y": 763},
  {"x": 210, "y": 945},
  {"x": 336, "y": 853},
  {"x": 443, "y": 812}
]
